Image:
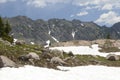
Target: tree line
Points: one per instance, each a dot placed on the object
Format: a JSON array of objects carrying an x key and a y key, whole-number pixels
[{"x": 5, "y": 29}]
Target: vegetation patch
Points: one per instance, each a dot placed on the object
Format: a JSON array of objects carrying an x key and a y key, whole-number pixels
[{"x": 5, "y": 30}]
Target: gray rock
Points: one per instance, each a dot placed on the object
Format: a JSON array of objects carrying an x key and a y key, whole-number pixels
[
  {"x": 33, "y": 55},
  {"x": 112, "y": 57},
  {"x": 20, "y": 42},
  {"x": 31, "y": 61},
  {"x": 57, "y": 53},
  {"x": 57, "y": 60},
  {"x": 6, "y": 62}
]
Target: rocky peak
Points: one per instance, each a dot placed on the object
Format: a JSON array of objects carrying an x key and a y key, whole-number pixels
[{"x": 59, "y": 30}]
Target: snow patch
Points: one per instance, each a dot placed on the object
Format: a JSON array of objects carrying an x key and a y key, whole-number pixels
[
  {"x": 55, "y": 39},
  {"x": 52, "y": 36},
  {"x": 74, "y": 73},
  {"x": 48, "y": 44},
  {"x": 15, "y": 40},
  {"x": 49, "y": 32},
  {"x": 32, "y": 43},
  {"x": 82, "y": 25},
  {"x": 84, "y": 50},
  {"x": 73, "y": 34}
]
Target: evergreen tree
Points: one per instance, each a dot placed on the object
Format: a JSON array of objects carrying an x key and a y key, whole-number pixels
[
  {"x": 1, "y": 27},
  {"x": 5, "y": 30},
  {"x": 108, "y": 36}
]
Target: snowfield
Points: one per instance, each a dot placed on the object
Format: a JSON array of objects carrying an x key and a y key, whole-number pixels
[
  {"x": 73, "y": 73},
  {"x": 84, "y": 50},
  {"x": 65, "y": 73}
]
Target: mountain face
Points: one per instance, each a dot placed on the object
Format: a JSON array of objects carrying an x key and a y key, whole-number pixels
[
  {"x": 55, "y": 30},
  {"x": 115, "y": 31}
]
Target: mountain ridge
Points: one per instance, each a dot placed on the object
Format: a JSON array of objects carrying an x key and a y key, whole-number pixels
[{"x": 55, "y": 30}]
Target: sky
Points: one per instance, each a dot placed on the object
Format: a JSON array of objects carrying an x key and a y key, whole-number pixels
[{"x": 102, "y": 12}]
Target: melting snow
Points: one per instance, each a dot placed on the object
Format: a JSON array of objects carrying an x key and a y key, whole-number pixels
[
  {"x": 48, "y": 44},
  {"x": 32, "y": 43},
  {"x": 82, "y": 24},
  {"x": 73, "y": 34},
  {"x": 15, "y": 40},
  {"x": 55, "y": 39},
  {"x": 52, "y": 36},
  {"x": 84, "y": 50},
  {"x": 49, "y": 32},
  {"x": 73, "y": 73}
]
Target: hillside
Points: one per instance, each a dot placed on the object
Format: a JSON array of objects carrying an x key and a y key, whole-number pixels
[
  {"x": 57, "y": 30},
  {"x": 26, "y": 54}
]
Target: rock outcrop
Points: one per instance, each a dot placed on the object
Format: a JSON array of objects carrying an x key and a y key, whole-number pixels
[
  {"x": 33, "y": 55},
  {"x": 6, "y": 62},
  {"x": 58, "y": 60},
  {"x": 55, "y": 30}
]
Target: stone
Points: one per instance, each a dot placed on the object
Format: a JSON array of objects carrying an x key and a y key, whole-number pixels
[
  {"x": 20, "y": 42},
  {"x": 112, "y": 57},
  {"x": 46, "y": 54},
  {"x": 31, "y": 61},
  {"x": 6, "y": 62},
  {"x": 33, "y": 55},
  {"x": 57, "y": 53},
  {"x": 57, "y": 60}
]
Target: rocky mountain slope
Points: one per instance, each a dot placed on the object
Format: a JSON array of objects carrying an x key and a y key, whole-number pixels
[
  {"x": 57, "y": 30},
  {"x": 17, "y": 55}
]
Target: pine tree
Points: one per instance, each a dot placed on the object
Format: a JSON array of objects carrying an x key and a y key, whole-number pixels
[
  {"x": 108, "y": 36},
  {"x": 1, "y": 27},
  {"x": 5, "y": 30}
]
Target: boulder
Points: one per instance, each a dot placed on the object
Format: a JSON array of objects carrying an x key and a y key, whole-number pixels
[
  {"x": 112, "y": 57},
  {"x": 19, "y": 42},
  {"x": 46, "y": 54},
  {"x": 6, "y": 62},
  {"x": 33, "y": 55},
  {"x": 57, "y": 60},
  {"x": 57, "y": 53}
]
